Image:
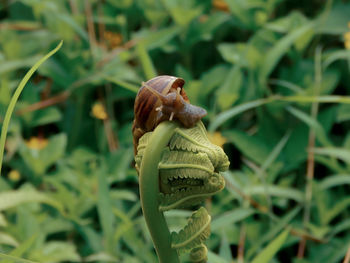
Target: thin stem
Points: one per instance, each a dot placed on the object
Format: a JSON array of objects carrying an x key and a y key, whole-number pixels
[
  {"x": 90, "y": 26},
  {"x": 149, "y": 192},
  {"x": 347, "y": 256},
  {"x": 311, "y": 157},
  {"x": 45, "y": 103},
  {"x": 240, "y": 250},
  {"x": 101, "y": 26}
]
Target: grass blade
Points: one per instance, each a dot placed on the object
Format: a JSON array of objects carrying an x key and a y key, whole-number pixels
[
  {"x": 15, "y": 98},
  {"x": 23, "y": 248},
  {"x": 230, "y": 218},
  {"x": 14, "y": 198},
  {"x": 268, "y": 252},
  {"x": 146, "y": 61},
  {"x": 104, "y": 209},
  {"x": 335, "y": 180},
  {"x": 15, "y": 259},
  {"x": 123, "y": 84},
  {"x": 277, "y": 227},
  {"x": 313, "y": 123},
  {"x": 339, "y": 153},
  {"x": 224, "y": 116}
]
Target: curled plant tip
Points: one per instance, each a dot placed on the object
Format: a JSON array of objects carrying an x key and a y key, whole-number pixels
[
  {"x": 199, "y": 254},
  {"x": 189, "y": 170},
  {"x": 194, "y": 233}
]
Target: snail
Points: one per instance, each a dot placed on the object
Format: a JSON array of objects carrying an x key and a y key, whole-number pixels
[{"x": 159, "y": 99}]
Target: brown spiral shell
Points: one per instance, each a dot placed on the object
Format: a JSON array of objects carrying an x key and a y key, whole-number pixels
[{"x": 162, "y": 104}]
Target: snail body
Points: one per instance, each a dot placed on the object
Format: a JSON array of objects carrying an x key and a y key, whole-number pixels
[{"x": 159, "y": 99}]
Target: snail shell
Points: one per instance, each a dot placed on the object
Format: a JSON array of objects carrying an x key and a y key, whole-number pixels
[{"x": 159, "y": 99}]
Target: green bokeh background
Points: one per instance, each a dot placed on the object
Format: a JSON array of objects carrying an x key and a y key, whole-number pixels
[{"x": 273, "y": 76}]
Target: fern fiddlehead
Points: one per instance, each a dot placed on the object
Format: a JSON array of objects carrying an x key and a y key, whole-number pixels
[{"x": 178, "y": 166}]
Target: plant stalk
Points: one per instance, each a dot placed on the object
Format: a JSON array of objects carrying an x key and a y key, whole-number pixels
[{"x": 149, "y": 193}]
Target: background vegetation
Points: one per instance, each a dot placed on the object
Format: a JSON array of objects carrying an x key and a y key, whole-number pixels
[{"x": 274, "y": 77}]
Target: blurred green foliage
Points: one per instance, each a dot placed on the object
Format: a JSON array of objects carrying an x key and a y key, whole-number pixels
[{"x": 273, "y": 76}]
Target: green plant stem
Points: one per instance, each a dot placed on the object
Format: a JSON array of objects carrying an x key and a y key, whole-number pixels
[
  {"x": 15, "y": 98},
  {"x": 149, "y": 192}
]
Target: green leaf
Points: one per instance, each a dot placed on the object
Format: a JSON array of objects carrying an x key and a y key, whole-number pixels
[
  {"x": 24, "y": 247},
  {"x": 251, "y": 146},
  {"x": 146, "y": 62},
  {"x": 229, "y": 92},
  {"x": 225, "y": 249},
  {"x": 275, "y": 190},
  {"x": 273, "y": 231},
  {"x": 318, "y": 129},
  {"x": 104, "y": 208},
  {"x": 3, "y": 221},
  {"x": 336, "y": 21},
  {"x": 275, "y": 152},
  {"x": 274, "y": 55},
  {"x": 123, "y": 84},
  {"x": 231, "y": 217},
  {"x": 271, "y": 249},
  {"x": 239, "y": 10},
  {"x": 336, "y": 152},
  {"x": 10, "y": 199},
  {"x": 286, "y": 23},
  {"x": 12, "y": 259},
  {"x": 39, "y": 160},
  {"x": 343, "y": 113},
  {"x": 73, "y": 24},
  {"x": 213, "y": 258},
  {"x": 205, "y": 30},
  {"x": 240, "y": 54},
  {"x": 12, "y": 65},
  {"x": 334, "y": 56},
  {"x": 6, "y": 239},
  {"x": 46, "y": 116},
  {"x": 226, "y": 115},
  {"x": 335, "y": 180},
  {"x": 155, "y": 39},
  {"x": 182, "y": 12},
  {"x": 340, "y": 227},
  {"x": 56, "y": 251},
  {"x": 101, "y": 257},
  {"x": 339, "y": 207}
]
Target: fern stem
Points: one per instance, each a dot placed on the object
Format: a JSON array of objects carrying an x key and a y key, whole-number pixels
[{"x": 149, "y": 193}]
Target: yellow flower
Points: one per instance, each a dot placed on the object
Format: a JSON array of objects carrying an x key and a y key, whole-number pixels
[
  {"x": 99, "y": 111},
  {"x": 14, "y": 175},
  {"x": 113, "y": 39},
  {"x": 36, "y": 143},
  {"x": 220, "y": 5},
  {"x": 347, "y": 38},
  {"x": 217, "y": 138},
  {"x": 347, "y": 44}
]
